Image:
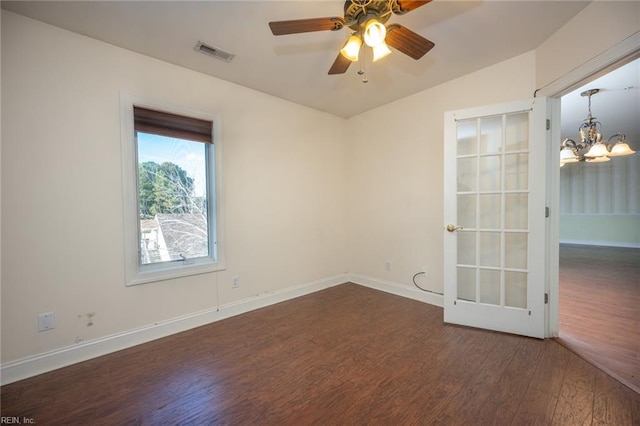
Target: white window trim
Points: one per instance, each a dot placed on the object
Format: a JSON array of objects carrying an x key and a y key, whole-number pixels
[{"x": 134, "y": 273}]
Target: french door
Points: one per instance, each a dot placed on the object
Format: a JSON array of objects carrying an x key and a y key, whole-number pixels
[{"x": 494, "y": 209}]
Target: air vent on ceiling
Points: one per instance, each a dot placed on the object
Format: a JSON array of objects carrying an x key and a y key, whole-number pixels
[{"x": 214, "y": 51}]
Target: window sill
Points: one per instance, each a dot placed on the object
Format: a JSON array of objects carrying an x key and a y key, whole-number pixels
[{"x": 173, "y": 272}]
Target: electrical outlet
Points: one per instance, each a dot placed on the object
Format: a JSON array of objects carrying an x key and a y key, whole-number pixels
[
  {"x": 46, "y": 321},
  {"x": 388, "y": 265},
  {"x": 235, "y": 281},
  {"x": 425, "y": 271}
]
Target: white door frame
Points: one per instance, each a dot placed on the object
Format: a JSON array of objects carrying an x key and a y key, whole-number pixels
[{"x": 619, "y": 54}]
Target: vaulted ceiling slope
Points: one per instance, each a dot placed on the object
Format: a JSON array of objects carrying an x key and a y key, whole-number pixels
[{"x": 469, "y": 35}]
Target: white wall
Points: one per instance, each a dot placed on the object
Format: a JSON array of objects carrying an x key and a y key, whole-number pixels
[
  {"x": 396, "y": 172},
  {"x": 62, "y": 241},
  {"x": 591, "y": 32},
  {"x": 600, "y": 203},
  {"x": 571, "y": 51}
]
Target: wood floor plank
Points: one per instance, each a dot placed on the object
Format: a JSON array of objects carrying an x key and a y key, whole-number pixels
[
  {"x": 539, "y": 409},
  {"x": 549, "y": 373},
  {"x": 568, "y": 413},
  {"x": 599, "y": 308},
  {"x": 635, "y": 411},
  {"x": 345, "y": 355},
  {"x": 612, "y": 402}
]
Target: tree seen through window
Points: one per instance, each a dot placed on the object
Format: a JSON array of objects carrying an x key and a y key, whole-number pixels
[{"x": 172, "y": 199}]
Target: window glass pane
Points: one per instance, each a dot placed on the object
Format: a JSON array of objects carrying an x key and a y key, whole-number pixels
[
  {"x": 515, "y": 288},
  {"x": 467, "y": 171},
  {"x": 490, "y": 173},
  {"x": 491, "y": 135},
  {"x": 516, "y": 172},
  {"x": 172, "y": 195},
  {"x": 517, "y": 132},
  {"x": 490, "y": 211},
  {"x": 490, "y": 286},
  {"x": 516, "y": 211},
  {"x": 466, "y": 248},
  {"x": 467, "y": 284},
  {"x": 467, "y": 137},
  {"x": 467, "y": 211},
  {"x": 516, "y": 250},
  {"x": 489, "y": 249}
]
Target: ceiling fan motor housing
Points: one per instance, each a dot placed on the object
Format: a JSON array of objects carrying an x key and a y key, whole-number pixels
[{"x": 357, "y": 13}]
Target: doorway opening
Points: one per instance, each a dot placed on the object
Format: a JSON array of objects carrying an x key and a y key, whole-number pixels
[{"x": 599, "y": 249}]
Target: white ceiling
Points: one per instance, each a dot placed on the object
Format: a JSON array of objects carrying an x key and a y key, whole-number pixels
[
  {"x": 468, "y": 35},
  {"x": 616, "y": 105}
]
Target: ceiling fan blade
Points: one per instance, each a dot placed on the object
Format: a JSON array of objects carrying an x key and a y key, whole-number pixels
[
  {"x": 407, "y": 42},
  {"x": 306, "y": 25},
  {"x": 404, "y": 6},
  {"x": 340, "y": 65}
]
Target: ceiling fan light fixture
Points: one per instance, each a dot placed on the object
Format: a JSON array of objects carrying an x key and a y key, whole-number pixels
[
  {"x": 380, "y": 51},
  {"x": 374, "y": 33},
  {"x": 351, "y": 48}
]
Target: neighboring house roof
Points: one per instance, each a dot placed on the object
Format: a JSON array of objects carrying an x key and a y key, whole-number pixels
[{"x": 184, "y": 234}]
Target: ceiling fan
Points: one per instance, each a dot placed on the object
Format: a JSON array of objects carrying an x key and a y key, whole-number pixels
[{"x": 367, "y": 19}]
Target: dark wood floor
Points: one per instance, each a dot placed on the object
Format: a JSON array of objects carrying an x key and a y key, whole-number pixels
[
  {"x": 346, "y": 355},
  {"x": 600, "y": 307}
]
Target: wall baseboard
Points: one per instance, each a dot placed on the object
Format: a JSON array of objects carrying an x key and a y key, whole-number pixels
[
  {"x": 41, "y": 363},
  {"x": 601, "y": 243},
  {"x": 398, "y": 289},
  {"x": 48, "y": 361}
]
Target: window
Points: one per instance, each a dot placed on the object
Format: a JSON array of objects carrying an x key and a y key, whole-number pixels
[{"x": 170, "y": 190}]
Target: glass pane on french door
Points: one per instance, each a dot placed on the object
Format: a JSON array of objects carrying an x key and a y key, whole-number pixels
[{"x": 492, "y": 195}]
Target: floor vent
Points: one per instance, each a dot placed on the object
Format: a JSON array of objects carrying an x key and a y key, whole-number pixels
[{"x": 214, "y": 51}]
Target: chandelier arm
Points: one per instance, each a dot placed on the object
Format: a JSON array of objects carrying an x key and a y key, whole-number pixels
[
  {"x": 619, "y": 135},
  {"x": 568, "y": 143},
  {"x": 573, "y": 146}
]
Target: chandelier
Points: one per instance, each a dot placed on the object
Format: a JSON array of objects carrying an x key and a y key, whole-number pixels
[{"x": 591, "y": 149}]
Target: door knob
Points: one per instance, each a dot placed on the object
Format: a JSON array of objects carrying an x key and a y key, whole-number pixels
[{"x": 452, "y": 227}]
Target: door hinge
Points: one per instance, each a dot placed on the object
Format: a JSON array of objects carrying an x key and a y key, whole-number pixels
[
  {"x": 548, "y": 124},
  {"x": 546, "y": 211},
  {"x": 546, "y": 298}
]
